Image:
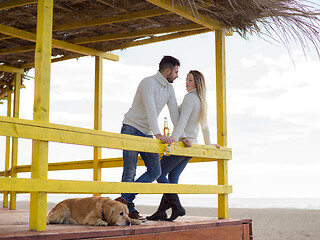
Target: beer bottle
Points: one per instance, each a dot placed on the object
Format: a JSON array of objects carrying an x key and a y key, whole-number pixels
[{"x": 167, "y": 133}]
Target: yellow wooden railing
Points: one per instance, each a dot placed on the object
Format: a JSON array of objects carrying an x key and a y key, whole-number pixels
[{"x": 41, "y": 132}]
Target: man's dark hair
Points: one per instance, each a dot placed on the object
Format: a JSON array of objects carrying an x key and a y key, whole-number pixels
[{"x": 168, "y": 62}]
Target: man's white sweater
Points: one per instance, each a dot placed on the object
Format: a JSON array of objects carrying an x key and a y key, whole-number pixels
[{"x": 152, "y": 95}]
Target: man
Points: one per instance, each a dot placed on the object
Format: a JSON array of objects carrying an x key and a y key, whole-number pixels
[{"x": 152, "y": 95}]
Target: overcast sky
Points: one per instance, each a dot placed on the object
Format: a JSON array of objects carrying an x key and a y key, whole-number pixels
[{"x": 273, "y": 106}]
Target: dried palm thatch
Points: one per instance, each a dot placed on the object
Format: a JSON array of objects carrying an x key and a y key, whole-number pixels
[{"x": 283, "y": 20}]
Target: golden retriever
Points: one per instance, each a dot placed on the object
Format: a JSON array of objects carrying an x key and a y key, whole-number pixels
[{"x": 97, "y": 211}]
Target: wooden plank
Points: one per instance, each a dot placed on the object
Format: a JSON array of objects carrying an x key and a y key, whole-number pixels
[
  {"x": 109, "y": 20},
  {"x": 154, "y": 39},
  {"x": 57, "y": 43},
  {"x": 88, "y": 164},
  {"x": 186, "y": 12},
  {"x": 223, "y": 205},
  {"x": 89, "y": 187},
  {"x": 16, "y": 3},
  {"x": 215, "y": 233},
  {"x": 97, "y": 117},
  {"x": 6, "y": 68},
  {"x": 39, "y": 170},
  {"x": 14, "y": 153},
  {"x": 65, "y": 134},
  {"x": 134, "y": 34},
  {"x": 7, "y": 158}
]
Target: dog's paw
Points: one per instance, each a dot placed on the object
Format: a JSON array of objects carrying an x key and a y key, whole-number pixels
[
  {"x": 102, "y": 223},
  {"x": 135, "y": 221}
]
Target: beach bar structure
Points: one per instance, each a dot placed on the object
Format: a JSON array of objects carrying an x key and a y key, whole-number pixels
[{"x": 35, "y": 34}]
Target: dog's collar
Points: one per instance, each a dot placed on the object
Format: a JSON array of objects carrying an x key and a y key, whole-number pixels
[{"x": 103, "y": 218}]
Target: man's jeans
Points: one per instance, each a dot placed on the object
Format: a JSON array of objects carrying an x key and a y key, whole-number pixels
[
  {"x": 173, "y": 167},
  {"x": 130, "y": 158}
]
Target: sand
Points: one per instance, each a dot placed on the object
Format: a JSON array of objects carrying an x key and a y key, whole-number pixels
[{"x": 268, "y": 224}]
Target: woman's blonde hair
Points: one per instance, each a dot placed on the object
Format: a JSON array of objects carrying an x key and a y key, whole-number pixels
[{"x": 202, "y": 94}]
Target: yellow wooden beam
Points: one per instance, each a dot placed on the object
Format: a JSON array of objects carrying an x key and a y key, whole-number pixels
[
  {"x": 223, "y": 204},
  {"x": 103, "y": 21},
  {"x": 186, "y": 12},
  {"x": 160, "y": 38},
  {"x": 6, "y": 68},
  {"x": 39, "y": 168},
  {"x": 97, "y": 117},
  {"x": 88, "y": 164},
  {"x": 14, "y": 156},
  {"x": 141, "y": 33},
  {"x": 57, "y": 43},
  {"x": 88, "y": 187},
  {"x": 138, "y": 43},
  {"x": 221, "y": 89},
  {"x": 16, "y": 3},
  {"x": 66, "y": 134},
  {"x": 17, "y": 49},
  {"x": 109, "y": 20},
  {"x": 7, "y": 159}
]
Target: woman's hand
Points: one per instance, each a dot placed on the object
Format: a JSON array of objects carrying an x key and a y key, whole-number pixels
[
  {"x": 165, "y": 139},
  {"x": 186, "y": 141},
  {"x": 217, "y": 145}
]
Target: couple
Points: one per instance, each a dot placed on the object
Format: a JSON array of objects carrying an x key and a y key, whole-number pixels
[{"x": 152, "y": 95}]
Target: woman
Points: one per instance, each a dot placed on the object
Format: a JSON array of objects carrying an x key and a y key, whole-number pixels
[{"x": 193, "y": 111}]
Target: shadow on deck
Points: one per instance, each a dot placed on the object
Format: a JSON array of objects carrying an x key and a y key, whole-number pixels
[{"x": 14, "y": 224}]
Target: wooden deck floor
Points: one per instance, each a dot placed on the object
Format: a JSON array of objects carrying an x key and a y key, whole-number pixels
[{"x": 14, "y": 224}]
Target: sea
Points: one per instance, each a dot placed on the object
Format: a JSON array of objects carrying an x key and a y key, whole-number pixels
[{"x": 203, "y": 201}]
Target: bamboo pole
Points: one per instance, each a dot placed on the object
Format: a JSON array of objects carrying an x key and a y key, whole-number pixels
[
  {"x": 39, "y": 169},
  {"x": 223, "y": 205}
]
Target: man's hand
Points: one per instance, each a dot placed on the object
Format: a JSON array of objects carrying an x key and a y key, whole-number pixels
[
  {"x": 186, "y": 141},
  {"x": 165, "y": 139}
]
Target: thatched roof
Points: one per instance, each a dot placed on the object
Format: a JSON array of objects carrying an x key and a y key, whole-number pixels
[{"x": 95, "y": 24}]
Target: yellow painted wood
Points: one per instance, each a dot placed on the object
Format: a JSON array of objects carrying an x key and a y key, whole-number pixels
[
  {"x": 141, "y": 33},
  {"x": 7, "y": 159},
  {"x": 223, "y": 205},
  {"x": 160, "y": 38},
  {"x": 14, "y": 157},
  {"x": 223, "y": 200},
  {"x": 6, "y": 68},
  {"x": 15, "y": 3},
  {"x": 221, "y": 89},
  {"x": 66, "y": 134},
  {"x": 88, "y": 164},
  {"x": 89, "y": 187},
  {"x": 186, "y": 12},
  {"x": 39, "y": 168},
  {"x": 5, "y": 92},
  {"x": 31, "y": 64},
  {"x": 97, "y": 117},
  {"x": 57, "y": 43},
  {"x": 114, "y": 19},
  {"x": 17, "y": 49},
  {"x": 136, "y": 43}
]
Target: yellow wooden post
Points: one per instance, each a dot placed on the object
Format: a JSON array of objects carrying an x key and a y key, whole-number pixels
[
  {"x": 97, "y": 118},
  {"x": 14, "y": 157},
  {"x": 39, "y": 168},
  {"x": 223, "y": 205},
  {"x": 7, "y": 160}
]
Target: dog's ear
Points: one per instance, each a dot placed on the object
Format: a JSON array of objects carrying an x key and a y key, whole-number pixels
[{"x": 108, "y": 212}]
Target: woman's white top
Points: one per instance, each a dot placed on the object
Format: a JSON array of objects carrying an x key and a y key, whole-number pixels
[{"x": 188, "y": 124}]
